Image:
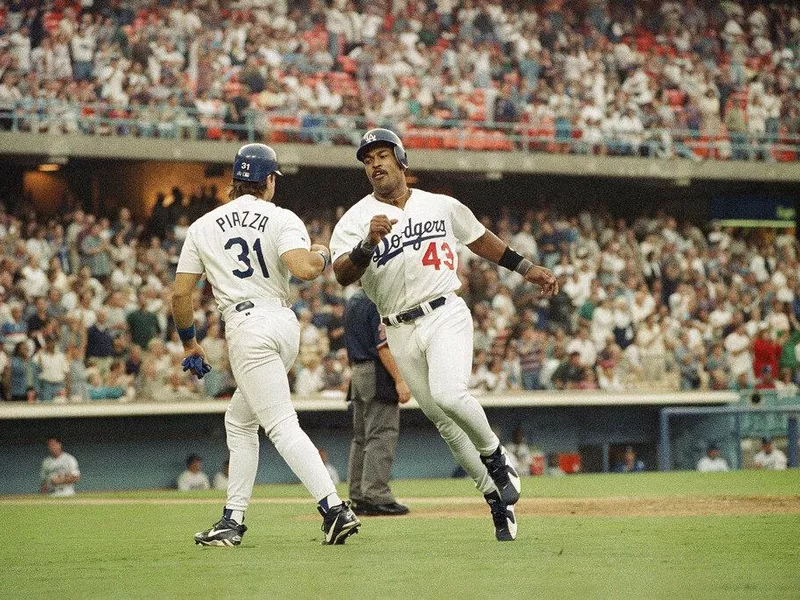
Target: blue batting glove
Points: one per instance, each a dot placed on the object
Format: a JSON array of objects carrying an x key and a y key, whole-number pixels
[{"x": 196, "y": 365}]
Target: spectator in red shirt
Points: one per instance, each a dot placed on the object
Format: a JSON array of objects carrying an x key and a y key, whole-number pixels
[{"x": 766, "y": 351}]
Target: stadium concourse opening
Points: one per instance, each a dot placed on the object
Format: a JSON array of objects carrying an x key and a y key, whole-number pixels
[{"x": 104, "y": 186}]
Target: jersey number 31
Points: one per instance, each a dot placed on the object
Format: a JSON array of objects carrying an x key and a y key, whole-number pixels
[{"x": 244, "y": 257}]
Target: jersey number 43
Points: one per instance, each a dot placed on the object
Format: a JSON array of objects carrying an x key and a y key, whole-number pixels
[
  {"x": 431, "y": 256},
  {"x": 244, "y": 257}
]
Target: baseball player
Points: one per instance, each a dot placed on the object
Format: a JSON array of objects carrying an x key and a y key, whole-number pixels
[
  {"x": 247, "y": 249},
  {"x": 60, "y": 470},
  {"x": 402, "y": 244}
]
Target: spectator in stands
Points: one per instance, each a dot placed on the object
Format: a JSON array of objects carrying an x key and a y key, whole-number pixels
[
  {"x": 59, "y": 472},
  {"x": 769, "y": 457},
  {"x": 629, "y": 463},
  {"x": 53, "y": 372},
  {"x": 21, "y": 375},
  {"x": 738, "y": 345},
  {"x": 98, "y": 389},
  {"x": 310, "y": 376},
  {"x": 15, "y": 329},
  {"x": 100, "y": 341},
  {"x": 334, "y": 379},
  {"x": 713, "y": 461},
  {"x": 569, "y": 373},
  {"x": 193, "y": 478},
  {"x": 143, "y": 323}
]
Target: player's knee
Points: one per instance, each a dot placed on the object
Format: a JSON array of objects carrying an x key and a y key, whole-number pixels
[
  {"x": 450, "y": 401},
  {"x": 239, "y": 433},
  {"x": 284, "y": 429}
]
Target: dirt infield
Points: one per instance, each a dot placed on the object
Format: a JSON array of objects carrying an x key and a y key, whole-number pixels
[
  {"x": 664, "y": 506},
  {"x": 657, "y": 506}
]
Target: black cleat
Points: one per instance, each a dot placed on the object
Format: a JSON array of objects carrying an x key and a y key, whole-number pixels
[
  {"x": 224, "y": 533},
  {"x": 503, "y": 474},
  {"x": 505, "y": 521},
  {"x": 338, "y": 523},
  {"x": 390, "y": 509}
]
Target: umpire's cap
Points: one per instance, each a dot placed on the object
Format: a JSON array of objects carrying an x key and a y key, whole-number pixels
[
  {"x": 255, "y": 162},
  {"x": 375, "y": 136}
]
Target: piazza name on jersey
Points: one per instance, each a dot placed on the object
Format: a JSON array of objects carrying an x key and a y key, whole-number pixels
[{"x": 245, "y": 218}]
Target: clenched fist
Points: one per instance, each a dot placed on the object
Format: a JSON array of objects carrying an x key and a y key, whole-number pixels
[{"x": 379, "y": 227}]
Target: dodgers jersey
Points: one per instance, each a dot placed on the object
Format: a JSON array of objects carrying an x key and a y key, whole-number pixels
[
  {"x": 417, "y": 261},
  {"x": 239, "y": 246}
]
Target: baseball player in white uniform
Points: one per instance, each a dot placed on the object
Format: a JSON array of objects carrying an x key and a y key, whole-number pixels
[
  {"x": 247, "y": 249},
  {"x": 402, "y": 244},
  {"x": 60, "y": 471}
]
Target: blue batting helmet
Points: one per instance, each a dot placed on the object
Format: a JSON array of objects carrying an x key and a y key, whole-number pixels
[
  {"x": 375, "y": 136},
  {"x": 255, "y": 162}
]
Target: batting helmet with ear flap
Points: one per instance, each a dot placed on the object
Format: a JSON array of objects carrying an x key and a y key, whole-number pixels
[
  {"x": 377, "y": 136},
  {"x": 255, "y": 162}
]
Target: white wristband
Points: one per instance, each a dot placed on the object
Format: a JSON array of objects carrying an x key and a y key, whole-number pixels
[{"x": 524, "y": 266}]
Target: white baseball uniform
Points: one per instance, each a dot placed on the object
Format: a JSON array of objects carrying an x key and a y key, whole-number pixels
[
  {"x": 239, "y": 246},
  {"x": 415, "y": 264},
  {"x": 775, "y": 460},
  {"x": 65, "y": 464}
]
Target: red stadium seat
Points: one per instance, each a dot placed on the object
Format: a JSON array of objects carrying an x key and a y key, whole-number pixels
[
  {"x": 570, "y": 463},
  {"x": 414, "y": 137},
  {"x": 279, "y": 124}
]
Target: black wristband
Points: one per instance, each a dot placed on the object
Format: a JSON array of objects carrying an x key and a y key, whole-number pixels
[
  {"x": 361, "y": 254},
  {"x": 510, "y": 259}
]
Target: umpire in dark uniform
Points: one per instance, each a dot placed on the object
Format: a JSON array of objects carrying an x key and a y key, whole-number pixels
[{"x": 376, "y": 388}]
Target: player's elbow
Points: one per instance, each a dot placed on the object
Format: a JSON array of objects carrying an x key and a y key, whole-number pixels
[
  {"x": 306, "y": 274},
  {"x": 343, "y": 275}
]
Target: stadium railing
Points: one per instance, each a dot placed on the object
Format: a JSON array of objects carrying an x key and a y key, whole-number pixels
[
  {"x": 530, "y": 134},
  {"x": 336, "y": 402}
]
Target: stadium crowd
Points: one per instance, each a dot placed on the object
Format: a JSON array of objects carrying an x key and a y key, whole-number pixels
[
  {"x": 694, "y": 78},
  {"x": 648, "y": 304}
]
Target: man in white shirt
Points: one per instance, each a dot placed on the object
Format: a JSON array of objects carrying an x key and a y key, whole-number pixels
[
  {"x": 769, "y": 457},
  {"x": 401, "y": 243},
  {"x": 193, "y": 478},
  {"x": 247, "y": 249},
  {"x": 738, "y": 345},
  {"x": 53, "y": 371},
  {"x": 713, "y": 461},
  {"x": 60, "y": 471}
]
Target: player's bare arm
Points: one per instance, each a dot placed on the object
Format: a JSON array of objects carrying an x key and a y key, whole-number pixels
[
  {"x": 307, "y": 264},
  {"x": 183, "y": 313},
  {"x": 349, "y": 267},
  {"x": 492, "y": 248}
]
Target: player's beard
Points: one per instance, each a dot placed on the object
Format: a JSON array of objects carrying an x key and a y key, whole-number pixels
[{"x": 389, "y": 187}]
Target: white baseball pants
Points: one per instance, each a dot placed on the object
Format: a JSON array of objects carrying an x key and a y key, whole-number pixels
[
  {"x": 434, "y": 354},
  {"x": 262, "y": 344}
]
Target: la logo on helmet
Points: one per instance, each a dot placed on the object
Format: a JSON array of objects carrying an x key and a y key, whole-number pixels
[{"x": 371, "y": 137}]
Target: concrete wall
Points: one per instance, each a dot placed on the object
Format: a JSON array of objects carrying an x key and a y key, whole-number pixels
[{"x": 130, "y": 452}]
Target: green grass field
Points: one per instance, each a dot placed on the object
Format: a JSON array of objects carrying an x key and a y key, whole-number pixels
[{"x": 653, "y": 535}]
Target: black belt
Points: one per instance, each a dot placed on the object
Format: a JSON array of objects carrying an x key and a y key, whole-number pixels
[
  {"x": 246, "y": 305},
  {"x": 413, "y": 313}
]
